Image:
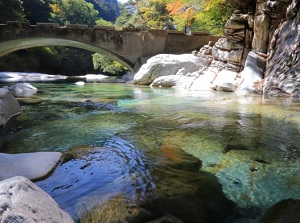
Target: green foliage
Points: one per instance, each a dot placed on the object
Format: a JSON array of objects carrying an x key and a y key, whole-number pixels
[
  {"x": 102, "y": 22},
  {"x": 107, "y": 65},
  {"x": 151, "y": 14},
  {"x": 154, "y": 14},
  {"x": 202, "y": 15},
  {"x": 129, "y": 16},
  {"x": 11, "y": 10},
  {"x": 74, "y": 12},
  {"x": 37, "y": 10},
  {"x": 214, "y": 18},
  {"x": 108, "y": 9},
  {"x": 52, "y": 60}
]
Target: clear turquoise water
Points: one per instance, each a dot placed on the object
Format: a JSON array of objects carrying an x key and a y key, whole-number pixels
[{"x": 250, "y": 143}]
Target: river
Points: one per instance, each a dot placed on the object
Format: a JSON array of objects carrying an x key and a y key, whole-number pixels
[{"x": 113, "y": 135}]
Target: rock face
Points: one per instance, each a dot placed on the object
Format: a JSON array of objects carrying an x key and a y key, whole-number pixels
[
  {"x": 284, "y": 211},
  {"x": 21, "y": 201},
  {"x": 23, "y": 90},
  {"x": 29, "y": 165},
  {"x": 185, "y": 71},
  {"x": 258, "y": 53},
  {"x": 9, "y": 106},
  {"x": 282, "y": 75}
]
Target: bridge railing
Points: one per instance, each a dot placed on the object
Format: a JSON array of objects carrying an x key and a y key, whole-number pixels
[{"x": 27, "y": 25}]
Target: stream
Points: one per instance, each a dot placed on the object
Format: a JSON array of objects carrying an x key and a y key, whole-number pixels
[{"x": 119, "y": 139}]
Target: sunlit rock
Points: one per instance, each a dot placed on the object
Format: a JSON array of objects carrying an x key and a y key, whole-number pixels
[
  {"x": 203, "y": 81},
  {"x": 29, "y": 165},
  {"x": 22, "y": 201},
  {"x": 95, "y": 77},
  {"x": 261, "y": 30},
  {"x": 225, "y": 55},
  {"x": 23, "y": 90},
  {"x": 80, "y": 83},
  {"x": 292, "y": 9},
  {"x": 168, "y": 64},
  {"x": 166, "y": 81},
  {"x": 226, "y": 81},
  {"x": 253, "y": 74},
  {"x": 9, "y": 106},
  {"x": 228, "y": 44}
]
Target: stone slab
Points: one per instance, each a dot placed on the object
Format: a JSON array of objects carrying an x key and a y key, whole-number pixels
[{"x": 30, "y": 165}]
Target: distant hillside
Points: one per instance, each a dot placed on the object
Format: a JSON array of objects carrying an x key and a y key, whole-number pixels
[{"x": 108, "y": 9}]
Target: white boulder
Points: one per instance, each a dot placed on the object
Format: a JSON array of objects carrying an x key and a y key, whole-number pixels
[
  {"x": 169, "y": 64},
  {"x": 23, "y": 90},
  {"x": 226, "y": 80},
  {"x": 21, "y": 201},
  {"x": 29, "y": 165}
]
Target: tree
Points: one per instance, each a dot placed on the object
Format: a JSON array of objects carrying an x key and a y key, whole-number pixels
[
  {"x": 37, "y": 10},
  {"x": 108, "y": 9},
  {"x": 74, "y": 12},
  {"x": 102, "y": 22},
  {"x": 129, "y": 16},
  {"x": 208, "y": 15},
  {"x": 150, "y": 14},
  {"x": 155, "y": 14},
  {"x": 107, "y": 65},
  {"x": 11, "y": 10},
  {"x": 214, "y": 17}
]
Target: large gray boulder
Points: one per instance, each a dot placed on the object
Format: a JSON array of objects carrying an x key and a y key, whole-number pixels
[
  {"x": 9, "y": 106},
  {"x": 21, "y": 201},
  {"x": 29, "y": 165},
  {"x": 169, "y": 64},
  {"x": 23, "y": 90}
]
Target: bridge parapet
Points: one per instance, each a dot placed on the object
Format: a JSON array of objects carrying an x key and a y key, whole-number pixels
[{"x": 125, "y": 46}]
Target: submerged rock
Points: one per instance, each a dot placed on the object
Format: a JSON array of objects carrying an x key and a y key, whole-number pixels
[
  {"x": 23, "y": 90},
  {"x": 190, "y": 197},
  {"x": 29, "y": 165},
  {"x": 21, "y": 201},
  {"x": 117, "y": 209},
  {"x": 176, "y": 192},
  {"x": 9, "y": 106}
]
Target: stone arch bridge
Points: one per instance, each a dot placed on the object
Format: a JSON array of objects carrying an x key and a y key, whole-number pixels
[{"x": 125, "y": 46}]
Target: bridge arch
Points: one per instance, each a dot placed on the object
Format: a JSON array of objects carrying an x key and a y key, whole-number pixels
[{"x": 11, "y": 46}]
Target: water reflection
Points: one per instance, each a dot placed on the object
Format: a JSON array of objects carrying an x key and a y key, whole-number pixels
[{"x": 90, "y": 175}]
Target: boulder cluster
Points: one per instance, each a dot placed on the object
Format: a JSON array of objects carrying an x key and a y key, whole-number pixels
[{"x": 258, "y": 53}]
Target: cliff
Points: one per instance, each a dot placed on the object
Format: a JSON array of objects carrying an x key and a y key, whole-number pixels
[
  {"x": 258, "y": 53},
  {"x": 270, "y": 30}
]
